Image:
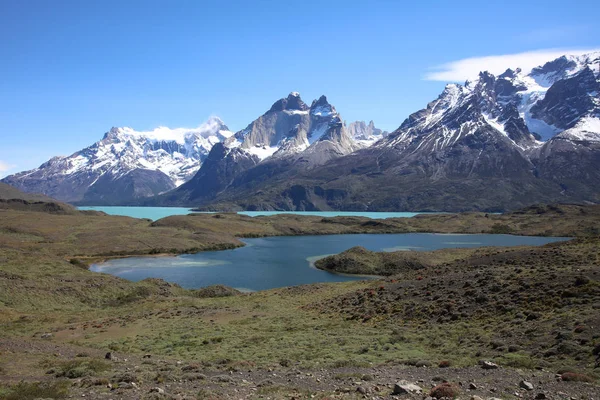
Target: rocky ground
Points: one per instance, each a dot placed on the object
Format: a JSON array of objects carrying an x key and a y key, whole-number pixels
[
  {"x": 532, "y": 312},
  {"x": 128, "y": 376}
]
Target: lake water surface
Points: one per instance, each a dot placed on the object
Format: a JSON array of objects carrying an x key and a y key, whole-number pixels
[
  {"x": 155, "y": 213},
  {"x": 272, "y": 262}
]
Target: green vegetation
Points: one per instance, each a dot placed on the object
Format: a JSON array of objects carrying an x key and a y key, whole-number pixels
[
  {"x": 523, "y": 308},
  {"x": 35, "y": 390},
  {"x": 359, "y": 260},
  {"x": 77, "y": 368}
]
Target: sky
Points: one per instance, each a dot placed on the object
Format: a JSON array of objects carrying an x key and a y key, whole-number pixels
[{"x": 71, "y": 70}]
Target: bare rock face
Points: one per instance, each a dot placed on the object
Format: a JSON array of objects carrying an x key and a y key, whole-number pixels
[
  {"x": 220, "y": 168},
  {"x": 568, "y": 100},
  {"x": 361, "y": 131},
  {"x": 495, "y": 143},
  {"x": 289, "y": 137}
]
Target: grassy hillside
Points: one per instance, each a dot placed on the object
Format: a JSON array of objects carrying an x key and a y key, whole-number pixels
[
  {"x": 533, "y": 311},
  {"x": 8, "y": 192},
  {"x": 13, "y": 199}
]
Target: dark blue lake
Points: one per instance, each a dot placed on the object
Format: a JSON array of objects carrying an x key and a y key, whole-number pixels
[{"x": 287, "y": 260}]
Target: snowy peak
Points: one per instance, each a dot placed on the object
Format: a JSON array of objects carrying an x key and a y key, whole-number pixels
[
  {"x": 322, "y": 108},
  {"x": 365, "y": 134},
  {"x": 164, "y": 158},
  {"x": 564, "y": 67},
  {"x": 213, "y": 127},
  {"x": 522, "y": 106},
  {"x": 569, "y": 99},
  {"x": 287, "y": 129},
  {"x": 291, "y": 103}
]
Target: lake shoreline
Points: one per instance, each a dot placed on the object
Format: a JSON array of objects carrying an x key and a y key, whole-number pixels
[
  {"x": 386, "y": 325},
  {"x": 99, "y": 260},
  {"x": 285, "y": 261},
  {"x": 155, "y": 213}
]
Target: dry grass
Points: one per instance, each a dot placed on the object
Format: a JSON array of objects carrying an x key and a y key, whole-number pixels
[{"x": 46, "y": 288}]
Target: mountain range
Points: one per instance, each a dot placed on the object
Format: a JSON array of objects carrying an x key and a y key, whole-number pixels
[{"x": 494, "y": 143}]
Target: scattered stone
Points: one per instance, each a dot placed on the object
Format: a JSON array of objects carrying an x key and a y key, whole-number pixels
[
  {"x": 193, "y": 377},
  {"x": 405, "y": 387},
  {"x": 361, "y": 390},
  {"x": 266, "y": 382},
  {"x": 472, "y": 386},
  {"x": 190, "y": 368},
  {"x": 222, "y": 379},
  {"x": 108, "y": 356},
  {"x": 147, "y": 356},
  {"x": 126, "y": 385},
  {"x": 488, "y": 365},
  {"x": 474, "y": 397},
  {"x": 540, "y": 396},
  {"x": 526, "y": 385},
  {"x": 157, "y": 390}
]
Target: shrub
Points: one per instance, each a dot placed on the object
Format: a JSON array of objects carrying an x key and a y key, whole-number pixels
[
  {"x": 518, "y": 360},
  {"x": 78, "y": 263},
  {"x": 138, "y": 293},
  {"x": 215, "y": 291},
  {"x": 79, "y": 368},
  {"x": 37, "y": 390},
  {"x": 501, "y": 229},
  {"x": 576, "y": 377},
  {"x": 446, "y": 390},
  {"x": 444, "y": 364}
]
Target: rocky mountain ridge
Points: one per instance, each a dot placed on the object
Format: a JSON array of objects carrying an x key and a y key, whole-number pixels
[
  {"x": 495, "y": 143},
  {"x": 127, "y": 166}
]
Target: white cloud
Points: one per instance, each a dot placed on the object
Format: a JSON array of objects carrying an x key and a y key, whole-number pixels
[
  {"x": 4, "y": 168},
  {"x": 467, "y": 68}
]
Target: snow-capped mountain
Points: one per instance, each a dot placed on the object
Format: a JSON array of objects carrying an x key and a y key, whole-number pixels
[
  {"x": 126, "y": 164},
  {"x": 526, "y": 107},
  {"x": 493, "y": 143},
  {"x": 365, "y": 134},
  {"x": 290, "y": 135},
  {"x": 289, "y": 127}
]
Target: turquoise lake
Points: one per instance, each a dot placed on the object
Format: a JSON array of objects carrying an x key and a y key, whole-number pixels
[
  {"x": 155, "y": 213},
  {"x": 273, "y": 262}
]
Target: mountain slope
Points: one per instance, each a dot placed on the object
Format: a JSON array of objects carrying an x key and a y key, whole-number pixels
[
  {"x": 289, "y": 137},
  {"x": 13, "y": 199},
  {"x": 125, "y": 165},
  {"x": 8, "y": 192},
  {"x": 494, "y": 143}
]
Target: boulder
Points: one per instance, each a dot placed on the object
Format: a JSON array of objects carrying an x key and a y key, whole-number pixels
[
  {"x": 526, "y": 385},
  {"x": 488, "y": 365},
  {"x": 405, "y": 387}
]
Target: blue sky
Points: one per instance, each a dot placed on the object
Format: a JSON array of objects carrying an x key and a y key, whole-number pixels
[{"x": 70, "y": 70}]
